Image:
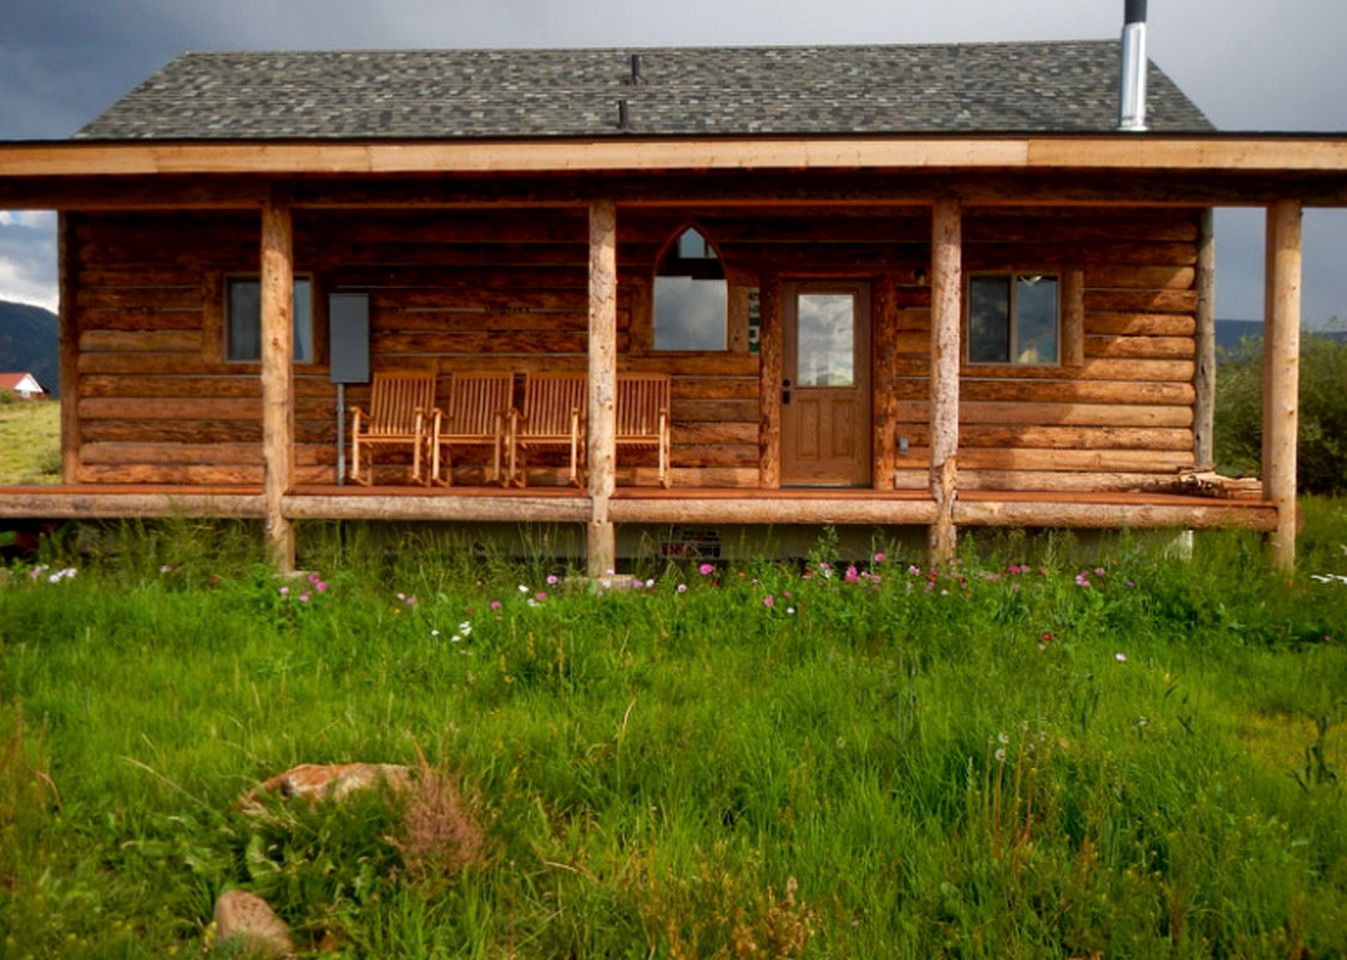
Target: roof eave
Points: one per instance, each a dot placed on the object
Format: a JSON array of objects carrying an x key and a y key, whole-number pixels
[{"x": 1221, "y": 152}]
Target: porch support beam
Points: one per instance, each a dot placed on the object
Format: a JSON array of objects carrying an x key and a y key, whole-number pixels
[
  {"x": 278, "y": 401},
  {"x": 884, "y": 363},
  {"x": 1204, "y": 378},
  {"x": 602, "y": 419},
  {"x": 69, "y": 338},
  {"x": 946, "y": 310},
  {"x": 1281, "y": 384},
  {"x": 769, "y": 387}
]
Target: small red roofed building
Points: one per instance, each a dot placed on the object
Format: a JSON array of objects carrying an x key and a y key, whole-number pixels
[{"x": 23, "y": 385}]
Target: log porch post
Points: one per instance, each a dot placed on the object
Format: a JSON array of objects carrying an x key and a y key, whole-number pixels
[
  {"x": 946, "y": 317},
  {"x": 1204, "y": 377},
  {"x": 769, "y": 383},
  {"x": 602, "y": 419},
  {"x": 278, "y": 403},
  {"x": 69, "y": 338},
  {"x": 884, "y": 362},
  {"x": 1281, "y": 383}
]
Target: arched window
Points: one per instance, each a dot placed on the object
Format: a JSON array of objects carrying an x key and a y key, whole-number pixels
[{"x": 691, "y": 296}]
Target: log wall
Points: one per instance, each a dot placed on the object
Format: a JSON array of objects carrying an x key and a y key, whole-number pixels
[
  {"x": 1119, "y": 418},
  {"x": 508, "y": 289}
]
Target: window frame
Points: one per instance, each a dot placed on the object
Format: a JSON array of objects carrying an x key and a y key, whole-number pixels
[
  {"x": 1058, "y": 275},
  {"x": 713, "y": 259},
  {"x": 226, "y": 283}
]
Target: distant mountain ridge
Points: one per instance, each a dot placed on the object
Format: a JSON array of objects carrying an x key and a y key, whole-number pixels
[{"x": 29, "y": 342}]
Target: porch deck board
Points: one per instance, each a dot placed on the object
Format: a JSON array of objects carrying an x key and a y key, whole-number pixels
[
  {"x": 1043, "y": 508},
  {"x": 472, "y": 504},
  {"x": 88, "y": 501}
]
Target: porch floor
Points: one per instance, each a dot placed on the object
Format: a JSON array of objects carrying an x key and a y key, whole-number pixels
[{"x": 838, "y": 505}]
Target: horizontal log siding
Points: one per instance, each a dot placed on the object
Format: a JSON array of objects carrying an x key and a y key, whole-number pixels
[
  {"x": 507, "y": 290},
  {"x": 1122, "y": 419},
  {"x": 155, "y": 404}
]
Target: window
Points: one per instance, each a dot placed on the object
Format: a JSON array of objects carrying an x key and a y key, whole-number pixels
[
  {"x": 1013, "y": 319},
  {"x": 691, "y": 307},
  {"x": 243, "y": 319}
]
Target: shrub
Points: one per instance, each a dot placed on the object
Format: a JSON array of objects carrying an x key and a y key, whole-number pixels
[{"x": 1322, "y": 444}]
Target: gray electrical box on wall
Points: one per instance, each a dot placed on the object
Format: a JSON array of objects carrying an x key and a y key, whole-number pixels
[{"x": 348, "y": 337}]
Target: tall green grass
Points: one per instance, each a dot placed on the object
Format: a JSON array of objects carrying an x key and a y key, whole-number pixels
[
  {"x": 30, "y": 441},
  {"x": 1022, "y": 756}
]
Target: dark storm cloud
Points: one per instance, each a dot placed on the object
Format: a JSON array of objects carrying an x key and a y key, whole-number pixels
[{"x": 1251, "y": 65}]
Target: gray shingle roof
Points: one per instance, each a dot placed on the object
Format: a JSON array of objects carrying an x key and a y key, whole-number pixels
[{"x": 1067, "y": 87}]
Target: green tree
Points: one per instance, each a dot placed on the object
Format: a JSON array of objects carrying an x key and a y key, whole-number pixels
[{"x": 1322, "y": 445}]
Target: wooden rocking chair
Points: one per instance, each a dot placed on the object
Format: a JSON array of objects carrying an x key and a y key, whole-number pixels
[
  {"x": 553, "y": 418},
  {"x": 643, "y": 416},
  {"x": 399, "y": 416},
  {"x": 477, "y": 415}
]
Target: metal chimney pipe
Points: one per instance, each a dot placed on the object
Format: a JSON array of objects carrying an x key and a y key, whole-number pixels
[{"x": 1132, "y": 102}]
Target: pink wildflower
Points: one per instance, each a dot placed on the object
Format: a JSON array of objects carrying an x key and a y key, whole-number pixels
[
  {"x": 769, "y": 601},
  {"x": 303, "y": 598},
  {"x": 681, "y": 588},
  {"x": 320, "y": 586},
  {"x": 285, "y": 591},
  {"x": 880, "y": 558},
  {"x": 552, "y": 580},
  {"x": 851, "y": 575},
  {"x": 495, "y": 605},
  {"x": 706, "y": 569},
  {"x": 540, "y": 596},
  {"x": 914, "y": 570}
]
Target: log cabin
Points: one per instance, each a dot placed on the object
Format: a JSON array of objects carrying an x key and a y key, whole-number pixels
[{"x": 935, "y": 286}]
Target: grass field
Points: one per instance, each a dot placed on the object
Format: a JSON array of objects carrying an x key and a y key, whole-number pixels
[
  {"x": 30, "y": 442},
  {"x": 1023, "y": 757}
]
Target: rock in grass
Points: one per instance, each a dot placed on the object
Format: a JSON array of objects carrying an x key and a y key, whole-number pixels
[
  {"x": 244, "y": 921},
  {"x": 335, "y": 781}
]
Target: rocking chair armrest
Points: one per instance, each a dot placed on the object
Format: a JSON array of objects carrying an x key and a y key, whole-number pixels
[
  {"x": 357, "y": 414},
  {"x": 424, "y": 417}
]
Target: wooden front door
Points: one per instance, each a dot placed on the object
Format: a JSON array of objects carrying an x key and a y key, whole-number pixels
[{"x": 825, "y": 388}]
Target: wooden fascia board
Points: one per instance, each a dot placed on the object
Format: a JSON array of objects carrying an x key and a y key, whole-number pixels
[{"x": 1216, "y": 154}]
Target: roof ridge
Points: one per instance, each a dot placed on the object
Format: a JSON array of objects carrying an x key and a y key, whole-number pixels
[{"x": 660, "y": 48}]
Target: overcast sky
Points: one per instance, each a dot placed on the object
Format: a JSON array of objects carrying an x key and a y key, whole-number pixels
[{"x": 1250, "y": 64}]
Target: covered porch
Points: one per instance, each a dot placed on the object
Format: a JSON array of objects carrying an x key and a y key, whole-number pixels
[{"x": 1097, "y": 439}]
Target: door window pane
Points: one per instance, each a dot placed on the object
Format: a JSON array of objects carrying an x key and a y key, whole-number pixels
[{"x": 826, "y": 340}]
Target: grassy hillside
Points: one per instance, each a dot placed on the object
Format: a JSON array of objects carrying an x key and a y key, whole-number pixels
[
  {"x": 28, "y": 341},
  {"x": 1020, "y": 758},
  {"x": 30, "y": 441}
]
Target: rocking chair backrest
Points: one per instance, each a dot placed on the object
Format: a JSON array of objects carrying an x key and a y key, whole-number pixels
[
  {"x": 641, "y": 398},
  {"x": 476, "y": 400},
  {"x": 549, "y": 399},
  {"x": 396, "y": 398}
]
